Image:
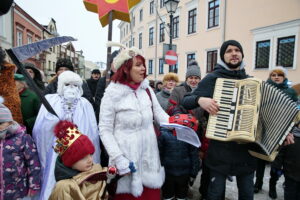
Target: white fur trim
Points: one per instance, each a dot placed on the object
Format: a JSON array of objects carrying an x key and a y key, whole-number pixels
[
  {"x": 284, "y": 70},
  {"x": 1, "y": 100},
  {"x": 68, "y": 77},
  {"x": 124, "y": 54}
]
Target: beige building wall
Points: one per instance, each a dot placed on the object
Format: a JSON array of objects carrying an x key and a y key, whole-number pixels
[{"x": 247, "y": 21}]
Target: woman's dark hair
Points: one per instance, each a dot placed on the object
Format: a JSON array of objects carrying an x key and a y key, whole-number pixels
[{"x": 122, "y": 74}]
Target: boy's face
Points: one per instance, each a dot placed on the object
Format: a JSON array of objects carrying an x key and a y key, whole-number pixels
[{"x": 85, "y": 164}]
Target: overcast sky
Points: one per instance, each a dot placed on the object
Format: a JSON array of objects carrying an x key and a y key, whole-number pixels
[{"x": 72, "y": 19}]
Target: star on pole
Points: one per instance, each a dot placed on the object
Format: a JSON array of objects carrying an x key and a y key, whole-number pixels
[{"x": 119, "y": 8}]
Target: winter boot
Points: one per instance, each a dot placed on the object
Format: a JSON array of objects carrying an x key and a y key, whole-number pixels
[
  {"x": 257, "y": 186},
  {"x": 272, "y": 190}
]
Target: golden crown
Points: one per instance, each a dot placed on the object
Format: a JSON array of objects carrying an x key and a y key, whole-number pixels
[{"x": 64, "y": 143}]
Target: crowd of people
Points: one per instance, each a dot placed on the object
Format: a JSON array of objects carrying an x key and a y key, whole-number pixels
[{"x": 102, "y": 125}]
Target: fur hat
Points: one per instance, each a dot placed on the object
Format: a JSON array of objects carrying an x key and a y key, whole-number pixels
[
  {"x": 64, "y": 62},
  {"x": 5, "y": 114},
  {"x": 71, "y": 145},
  {"x": 171, "y": 76},
  {"x": 193, "y": 69},
  {"x": 226, "y": 44},
  {"x": 124, "y": 54},
  {"x": 68, "y": 77},
  {"x": 279, "y": 70}
]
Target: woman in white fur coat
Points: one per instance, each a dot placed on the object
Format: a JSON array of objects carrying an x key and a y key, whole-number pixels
[{"x": 126, "y": 128}]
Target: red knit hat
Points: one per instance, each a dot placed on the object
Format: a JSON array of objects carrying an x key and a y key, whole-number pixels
[{"x": 71, "y": 144}]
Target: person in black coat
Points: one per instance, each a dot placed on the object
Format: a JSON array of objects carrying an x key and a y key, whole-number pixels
[
  {"x": 101, "y": 85},
  {"x": 35, "y": 74},
  {"x": 181, "y": 162},
  {"x": 93, "y": 81},
  {"x": 65, "y": 64},
  {"x": 224, "y": 158}
]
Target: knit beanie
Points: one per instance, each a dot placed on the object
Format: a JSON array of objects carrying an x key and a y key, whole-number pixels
[
  {"x": 193, "y": 69},
  {"x": 226, "y": 44},
  {"x": 279, "y": 70},
  {"x": 71, "y": 145},
  {"x": 5, "y": 114},
  {"x": 64, "y": 62}
]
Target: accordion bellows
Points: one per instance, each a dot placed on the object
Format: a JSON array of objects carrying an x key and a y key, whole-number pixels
[{"x": 254, "y": 111}]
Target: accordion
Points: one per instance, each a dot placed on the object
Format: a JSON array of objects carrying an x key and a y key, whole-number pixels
[{"x": 252, "y": 111}]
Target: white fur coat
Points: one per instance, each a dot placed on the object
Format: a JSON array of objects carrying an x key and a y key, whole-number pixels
[{"x": 126, "y": 129}]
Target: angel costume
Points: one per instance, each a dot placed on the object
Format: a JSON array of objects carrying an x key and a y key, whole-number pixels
[{"x": 68, "y": 105}]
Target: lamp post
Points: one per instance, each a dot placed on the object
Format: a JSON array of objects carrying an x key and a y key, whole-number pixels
[{"x": 171, "y": 6}]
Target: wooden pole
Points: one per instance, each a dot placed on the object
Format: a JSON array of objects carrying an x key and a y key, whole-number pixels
[{"x": 109, "y": 38}]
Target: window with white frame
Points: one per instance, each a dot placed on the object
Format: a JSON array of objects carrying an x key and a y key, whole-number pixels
[
  {"x": 161, "y": 66},
  {"x": 190, "y": 56},
  {"x": 213, "y": 13},
  {"x": 151, "y": 6},
  {"x": 262, "y": 55},
  {"x": 192, "y": 21},
  {"x": 150, "y": 67},
  {"x": 140, "y": 41},
  {"x": 162, "y": 32},
  {"x": 19, "y": 38},
  {"x": 175, "y": 27},
  {"x": 132, "y": 41},
  {"x": 211, "y": 60},
  {"x": 141, "y": 15},
  {"x": 151, "y": 35},
  {"x": 29, "y": 38},
  {"x": 285, "y": 51},
  {"x": 162, "y": 3},
  {"x": 276, "y": 45}
]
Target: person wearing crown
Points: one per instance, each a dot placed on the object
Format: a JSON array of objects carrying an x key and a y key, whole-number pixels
[
  {"x": 68, "y": 105},
  {"x": 77, "y": 176},
  {"x": 127, "y": 110}
]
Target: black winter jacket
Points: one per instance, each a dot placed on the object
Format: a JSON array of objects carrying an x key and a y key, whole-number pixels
[
  {"x": 178, "y": 158},
  {"x": 92, "y": 83},
  {"x": 229, "y": 158},
  {"x": 52, "y": 89}
]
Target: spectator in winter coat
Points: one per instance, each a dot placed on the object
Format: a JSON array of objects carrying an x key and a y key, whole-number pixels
[
  {"x": 20, "y": 166},
  {"x": 193, "y": 77},
  {"x": 158, "y": 86},
  {"x": 30, "y": 103},
  {"x": 65, "y": 64},
  {"x": 224, "y": 158},
  {"x": 128, "y": 108},
  {"x": 35, "y": 74},
  {"x": 180, "y": 159},
  {"x": 170, "y": 81},
  {"x": 288, "y": 159},
  {"x": 277, "y": 78},
  {"x": 75, "y": 172},
  {"x": 93, "y": 81}
]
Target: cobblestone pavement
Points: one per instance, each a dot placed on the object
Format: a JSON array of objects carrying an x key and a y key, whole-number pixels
[{"x": 232, "y": 193}]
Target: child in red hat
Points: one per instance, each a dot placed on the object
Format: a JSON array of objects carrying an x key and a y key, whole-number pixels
[{"x": 76, "y": 175}]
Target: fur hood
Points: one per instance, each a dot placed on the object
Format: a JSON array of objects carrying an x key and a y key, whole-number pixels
[{"x": 117, "y": 91}]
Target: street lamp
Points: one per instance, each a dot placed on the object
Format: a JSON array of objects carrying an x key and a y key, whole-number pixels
[{"x": 171, "y": 6}]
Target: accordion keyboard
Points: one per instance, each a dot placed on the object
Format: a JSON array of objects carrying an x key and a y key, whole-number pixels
[{"x": 226, "y": 98}]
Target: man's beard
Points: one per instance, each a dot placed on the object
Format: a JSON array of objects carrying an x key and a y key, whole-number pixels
[{"x": 234, "y": 66}]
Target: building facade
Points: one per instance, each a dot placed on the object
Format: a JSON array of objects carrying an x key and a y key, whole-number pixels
[
  {"x": 6, "y": 39},
  {"x": 269, "y": 36},
  {"x": 26, "y": 30}
]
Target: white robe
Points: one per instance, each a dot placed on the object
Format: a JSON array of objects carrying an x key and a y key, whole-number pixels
[{"x": 44, "y": 137}]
